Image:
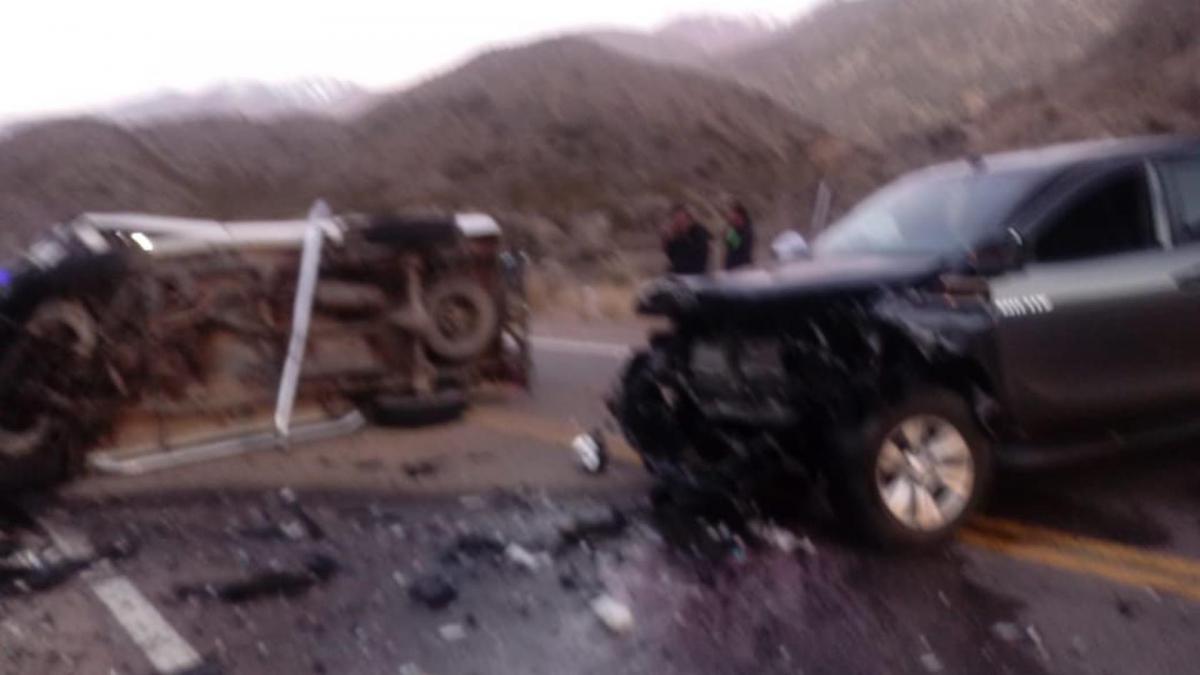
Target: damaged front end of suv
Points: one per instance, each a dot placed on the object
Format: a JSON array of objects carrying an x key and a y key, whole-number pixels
[
  {"x": 749, "y": 382},
  {"x": 873, "y": 364}
]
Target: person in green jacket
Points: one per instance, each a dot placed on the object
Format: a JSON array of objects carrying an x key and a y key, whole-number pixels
[{"x": 739, "y": 237}]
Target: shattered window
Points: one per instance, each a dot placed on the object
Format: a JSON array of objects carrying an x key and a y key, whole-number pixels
[{"x": 929, "y": 214}]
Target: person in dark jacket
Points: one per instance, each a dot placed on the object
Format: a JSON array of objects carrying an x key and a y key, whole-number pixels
[
  {"x": 739, "y": 238},
  {"x": 685, "y": 241}
]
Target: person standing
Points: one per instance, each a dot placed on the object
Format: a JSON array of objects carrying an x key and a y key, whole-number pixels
[
  {"x": 685, "y": 242},
  {"x": 739, "y": 237}
]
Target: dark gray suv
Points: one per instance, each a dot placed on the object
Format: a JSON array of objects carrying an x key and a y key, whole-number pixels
[{"x": 1023, "y": 308}]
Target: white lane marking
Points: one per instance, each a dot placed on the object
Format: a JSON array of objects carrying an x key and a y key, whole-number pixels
[
  {"x": 166, "y": 650},
  {"x": 603, "y": 349}
]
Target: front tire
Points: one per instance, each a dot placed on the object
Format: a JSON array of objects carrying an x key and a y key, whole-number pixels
[{"x": 914, "y": 471}]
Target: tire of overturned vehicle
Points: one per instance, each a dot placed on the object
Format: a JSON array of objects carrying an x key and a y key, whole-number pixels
[
  {"x": 36, "y": 441},
  {"x": 415, "y": 410},
  {"x": 914, "y": 471},
  {"x": 465, "y": 319}
]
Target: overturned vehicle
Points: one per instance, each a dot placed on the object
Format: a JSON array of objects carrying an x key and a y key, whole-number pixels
[
  {"x": 128, "y": 334},
  {"x": 1024, "y": 309}
]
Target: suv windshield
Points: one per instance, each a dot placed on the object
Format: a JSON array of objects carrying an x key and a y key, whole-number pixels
[{"x": 929, "y": 214}]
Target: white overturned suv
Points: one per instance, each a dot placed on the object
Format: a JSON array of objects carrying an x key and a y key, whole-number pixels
[{"x": 118, "y": 317}]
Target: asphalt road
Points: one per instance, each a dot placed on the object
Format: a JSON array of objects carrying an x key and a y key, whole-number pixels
[{"x": 1091, "y": 570}]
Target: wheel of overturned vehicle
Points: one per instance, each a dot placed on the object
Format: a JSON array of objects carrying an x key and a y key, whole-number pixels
[
  {"x": 36, "y": 439},
  {"x": 464, "y": 318},
  {"x": 36, "y": 456},
  {"x": 415, "y": 410},
  {"x": 915, "y": 471},
  {"x": 67, "y": 325}
]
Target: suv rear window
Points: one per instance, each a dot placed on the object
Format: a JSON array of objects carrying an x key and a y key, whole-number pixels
[{"x": 1182, "y": 177}]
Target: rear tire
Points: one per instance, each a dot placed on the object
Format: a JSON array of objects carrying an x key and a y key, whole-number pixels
[
  {"x": 412, "y": 410},
  {"x": 914, "y": 471}
]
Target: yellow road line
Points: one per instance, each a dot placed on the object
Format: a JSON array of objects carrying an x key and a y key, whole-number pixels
[
  {"x": 1072, "y": 561},
  {"x": 1031, "y": 543},
  {"x": 1025, "y": 534}
]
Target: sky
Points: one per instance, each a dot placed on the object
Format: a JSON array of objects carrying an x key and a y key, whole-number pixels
[{"x": 62, "y": 55}]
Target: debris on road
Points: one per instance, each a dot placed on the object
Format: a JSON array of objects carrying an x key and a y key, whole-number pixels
[
  {"x": 592, "y": 526},
  {"x": 310, "y": 526},
  {"x": 452, "y": 632},
  {"x": 1036, "y": 638},
  {"x": 782, "y": 539},
  {"x": 315, "y": 570},
  {"x": 615, "y": 616},
  {"x": 420, "y": 469},
  {"x": 472, "y": 546},
  {"x": 1006, "y": 631},
  {"x": 522, "y": 558},
  {"x": 28, "y": 571},
  {"x": 931, "y": 663},
  {"x": 929, "y": 660},
  {"x": 433, "y": 590},
  {"x": 592, "y": 451}
]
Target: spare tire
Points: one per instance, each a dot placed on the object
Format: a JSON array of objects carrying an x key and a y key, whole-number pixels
[{"x": 464, "y": 318}]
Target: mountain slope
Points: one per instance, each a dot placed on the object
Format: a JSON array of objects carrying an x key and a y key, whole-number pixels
[
  {"x": 54, "y": 170},
  {"x": 688, "y": 40},
  {"x": 1143, "y": 80},
  {"x": 559, "y": 129},
  {"x": 565, "y": 125},
  {"x": 256, "y": 100},
  {"x": 1146, "y": 80},
  {"x": 874, "y": 69}
]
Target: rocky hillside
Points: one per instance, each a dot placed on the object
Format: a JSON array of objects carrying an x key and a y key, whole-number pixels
[
  {"x": 1145, "y": 79},
  {"x": 874, "y": 69},
  {"x": 564, "y": 129},
  {"x": 690, "y": 40},
  {"x": 563, "y": 126},
  {"x": 256, "y": 100}
]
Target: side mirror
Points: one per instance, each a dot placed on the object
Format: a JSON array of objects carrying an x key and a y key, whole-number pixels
[{"x": 1000, "y": 255}]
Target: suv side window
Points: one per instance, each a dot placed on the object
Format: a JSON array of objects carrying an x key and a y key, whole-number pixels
[
  {"x": 1182, "y": 179},
  {"x": 1114, "y": 215}
]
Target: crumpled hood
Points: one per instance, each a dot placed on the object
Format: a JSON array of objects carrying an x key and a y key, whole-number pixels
[{"x": 793, "y": 281}]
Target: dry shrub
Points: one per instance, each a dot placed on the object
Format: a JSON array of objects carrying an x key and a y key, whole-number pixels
[
  {"x": 552, "y": 290},
  {"x": 616, "y": 301}
]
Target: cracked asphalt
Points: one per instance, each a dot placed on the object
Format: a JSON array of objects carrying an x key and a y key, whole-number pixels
[{"x": 1095, "y": 569}]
